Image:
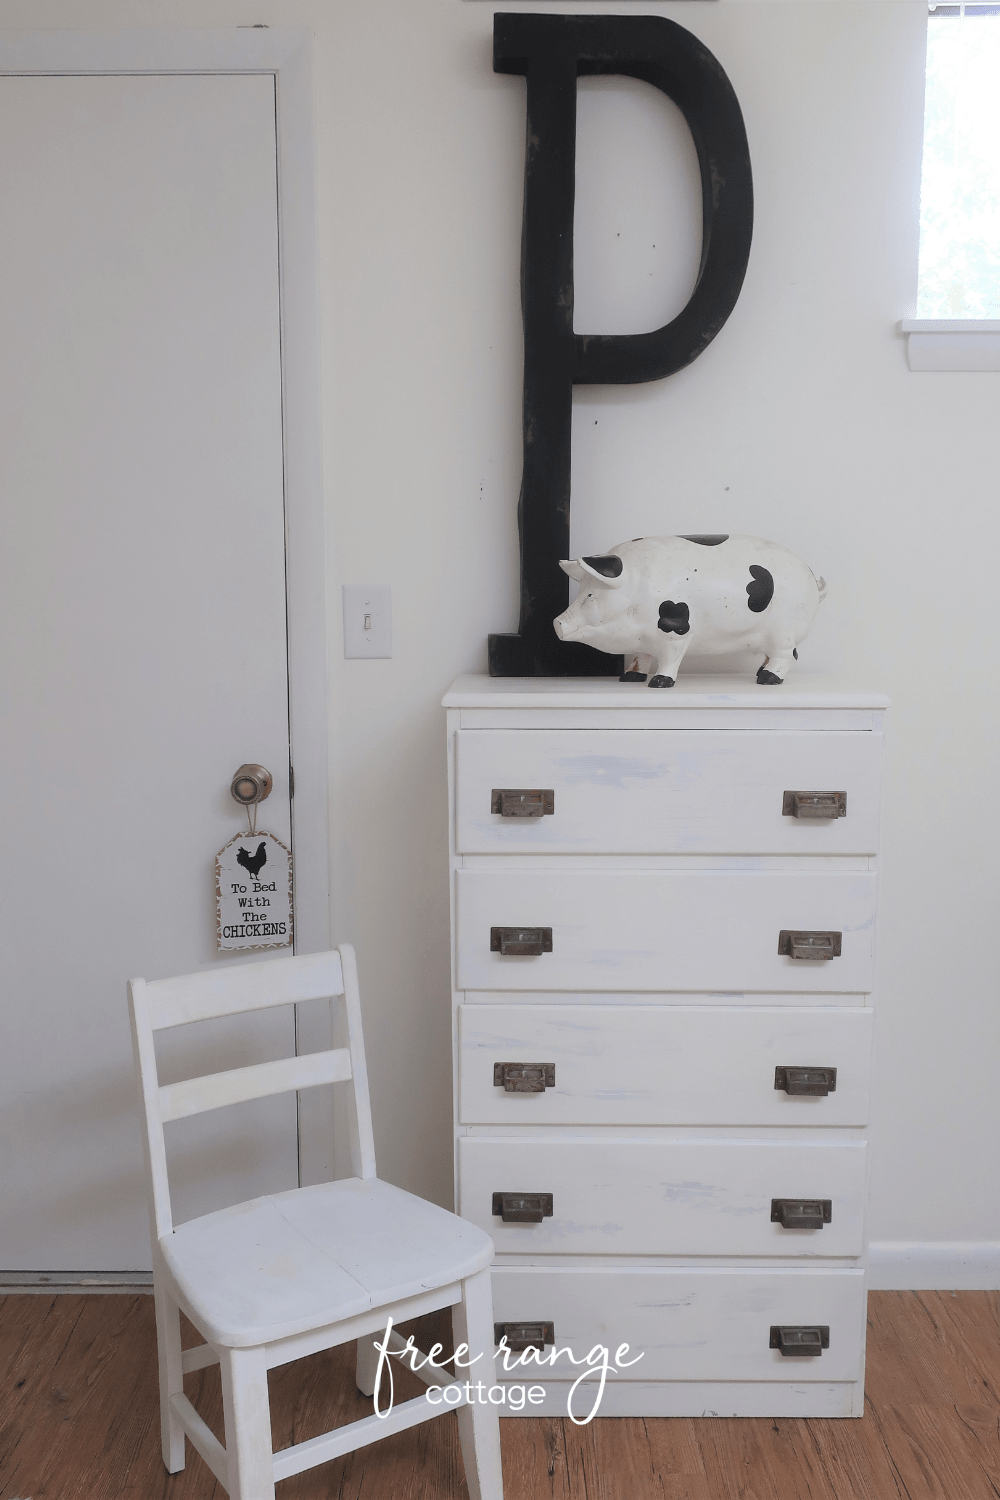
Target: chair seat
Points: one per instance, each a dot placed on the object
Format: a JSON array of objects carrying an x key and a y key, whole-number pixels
[{"x": 294, "y": 1261}]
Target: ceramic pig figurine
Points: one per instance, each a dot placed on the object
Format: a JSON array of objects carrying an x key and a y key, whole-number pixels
[{"x": 657, "y": 596}]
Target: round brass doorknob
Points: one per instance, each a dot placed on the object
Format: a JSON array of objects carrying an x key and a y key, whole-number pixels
[{"x": 251, "y": 784}]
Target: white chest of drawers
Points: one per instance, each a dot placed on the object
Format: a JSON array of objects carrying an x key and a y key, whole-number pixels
[{"x": 631, "y": 1042}]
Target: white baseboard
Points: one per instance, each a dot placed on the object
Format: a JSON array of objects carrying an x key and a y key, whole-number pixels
[
  {"x": 934, "y": 1265},
  {"x": 39, "y": 1283}
]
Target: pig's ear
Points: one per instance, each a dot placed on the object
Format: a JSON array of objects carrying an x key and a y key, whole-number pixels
[{"x": 607, "y": 571}]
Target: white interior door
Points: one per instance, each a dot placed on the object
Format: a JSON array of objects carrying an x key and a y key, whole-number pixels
[{"x": 142, "y": 626}]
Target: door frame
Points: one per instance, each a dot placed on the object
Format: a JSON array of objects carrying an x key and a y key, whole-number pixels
[{"x": 285, "y": 54}]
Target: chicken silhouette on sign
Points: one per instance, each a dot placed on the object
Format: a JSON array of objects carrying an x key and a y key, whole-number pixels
[
  {"x": 253, "y": 894},
  {"x": 252, "y": 863}
]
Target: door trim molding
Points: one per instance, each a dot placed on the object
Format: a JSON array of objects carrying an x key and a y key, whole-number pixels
[{"x": 285, "y": 54}]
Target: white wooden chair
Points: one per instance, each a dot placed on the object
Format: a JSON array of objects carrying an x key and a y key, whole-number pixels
[{"x": 279, "y": 1277}]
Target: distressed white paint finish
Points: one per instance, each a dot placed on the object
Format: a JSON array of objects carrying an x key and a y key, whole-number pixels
[
  {"x": 282, "y": 1276},
  {"x": 666, "y": 875},
  {"x": 834, "y": 697},
  {"x": 664, "y": 930},
  {"x": 630, "y": 713},
  {"x": 691, "y": 1323},
  {"x": 665, "y": 1197},
  {"x": 688, "y": 792},
  {"x": 281, "y": 1265},
  {"x": 710, "y": 1398},
  {"x": 663, "y": 1065}
]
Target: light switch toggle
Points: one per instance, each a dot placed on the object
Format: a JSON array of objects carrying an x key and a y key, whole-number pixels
[{"x": 367, "y": 620}]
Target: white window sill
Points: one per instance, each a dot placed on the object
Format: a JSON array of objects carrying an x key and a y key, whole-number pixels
[{"x": 952, "y": 343}]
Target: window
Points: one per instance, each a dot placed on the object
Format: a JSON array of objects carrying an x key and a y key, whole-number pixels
[{"x": 959, "y": 275}]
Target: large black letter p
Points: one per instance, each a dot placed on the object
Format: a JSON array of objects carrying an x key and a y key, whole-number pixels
[{"x": 552, "y": 52}]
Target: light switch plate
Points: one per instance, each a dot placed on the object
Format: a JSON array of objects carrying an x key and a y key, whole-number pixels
[{"x": 367, "y": 619}]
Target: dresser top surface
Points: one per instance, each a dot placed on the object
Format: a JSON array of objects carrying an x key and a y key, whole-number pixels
[{"x": 708, "y": 690}]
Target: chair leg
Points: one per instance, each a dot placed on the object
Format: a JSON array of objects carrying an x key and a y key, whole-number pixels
[
  {"x": 478, "y": 1423},
  {"x": 247, "y": 1411},
  {"x": 168, "y": 1354},
  {"x": 367, "y": 1365}
]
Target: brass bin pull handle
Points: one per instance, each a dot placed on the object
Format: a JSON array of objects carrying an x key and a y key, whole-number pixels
[
  {"x": 521, "y": 1336},
  {"x": 801, "y": 1213},
  {"x": 524, "y": 1078},
  {"x": 521, "y": 942},
  {"x": 523, "y": 802},
  {"x": 522, "y": 1208},
  {"x": 814, "y": 805},
  {"x": 809, "y": 945},
  {"x": 800, "y": 1339},
  {"x": 811, "y": 1081}
]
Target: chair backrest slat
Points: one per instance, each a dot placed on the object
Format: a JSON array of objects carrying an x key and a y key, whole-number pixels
[
  {"x": 227, "y": 991},
  {"x": 213, "y": 1090}
]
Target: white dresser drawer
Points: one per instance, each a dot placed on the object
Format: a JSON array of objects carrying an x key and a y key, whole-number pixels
[
  {"x": 667, "y": 791},
  {"x": 628, "y": 1197},
  {"x": 663, "y": 1064},
  {"x": 666, "y": 930},
  {"x": 688, "y": 1324}
]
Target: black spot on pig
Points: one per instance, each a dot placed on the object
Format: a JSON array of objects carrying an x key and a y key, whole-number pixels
[
  {"x": 659, "y": 681},
  {"x": 608, "y": 567},
  {"x": 766, "y": 678},
  {"x": 795, "y": 654},
  {"x": 707, "y": 539},
  {"x": 761, "y": 590},
  {"x": 673, "y": 618}
]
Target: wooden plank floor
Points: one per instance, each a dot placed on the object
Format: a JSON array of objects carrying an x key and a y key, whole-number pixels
[{"x": 79, "y": 1421}]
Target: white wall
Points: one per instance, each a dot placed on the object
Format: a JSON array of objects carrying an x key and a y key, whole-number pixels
[{"x": 801, "y": 422}]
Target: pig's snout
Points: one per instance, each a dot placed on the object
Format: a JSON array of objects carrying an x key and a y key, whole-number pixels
[{"x": 564, "y": 626}]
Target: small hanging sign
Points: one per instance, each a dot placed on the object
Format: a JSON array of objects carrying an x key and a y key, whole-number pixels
[{"x": 253, "y": 893}]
